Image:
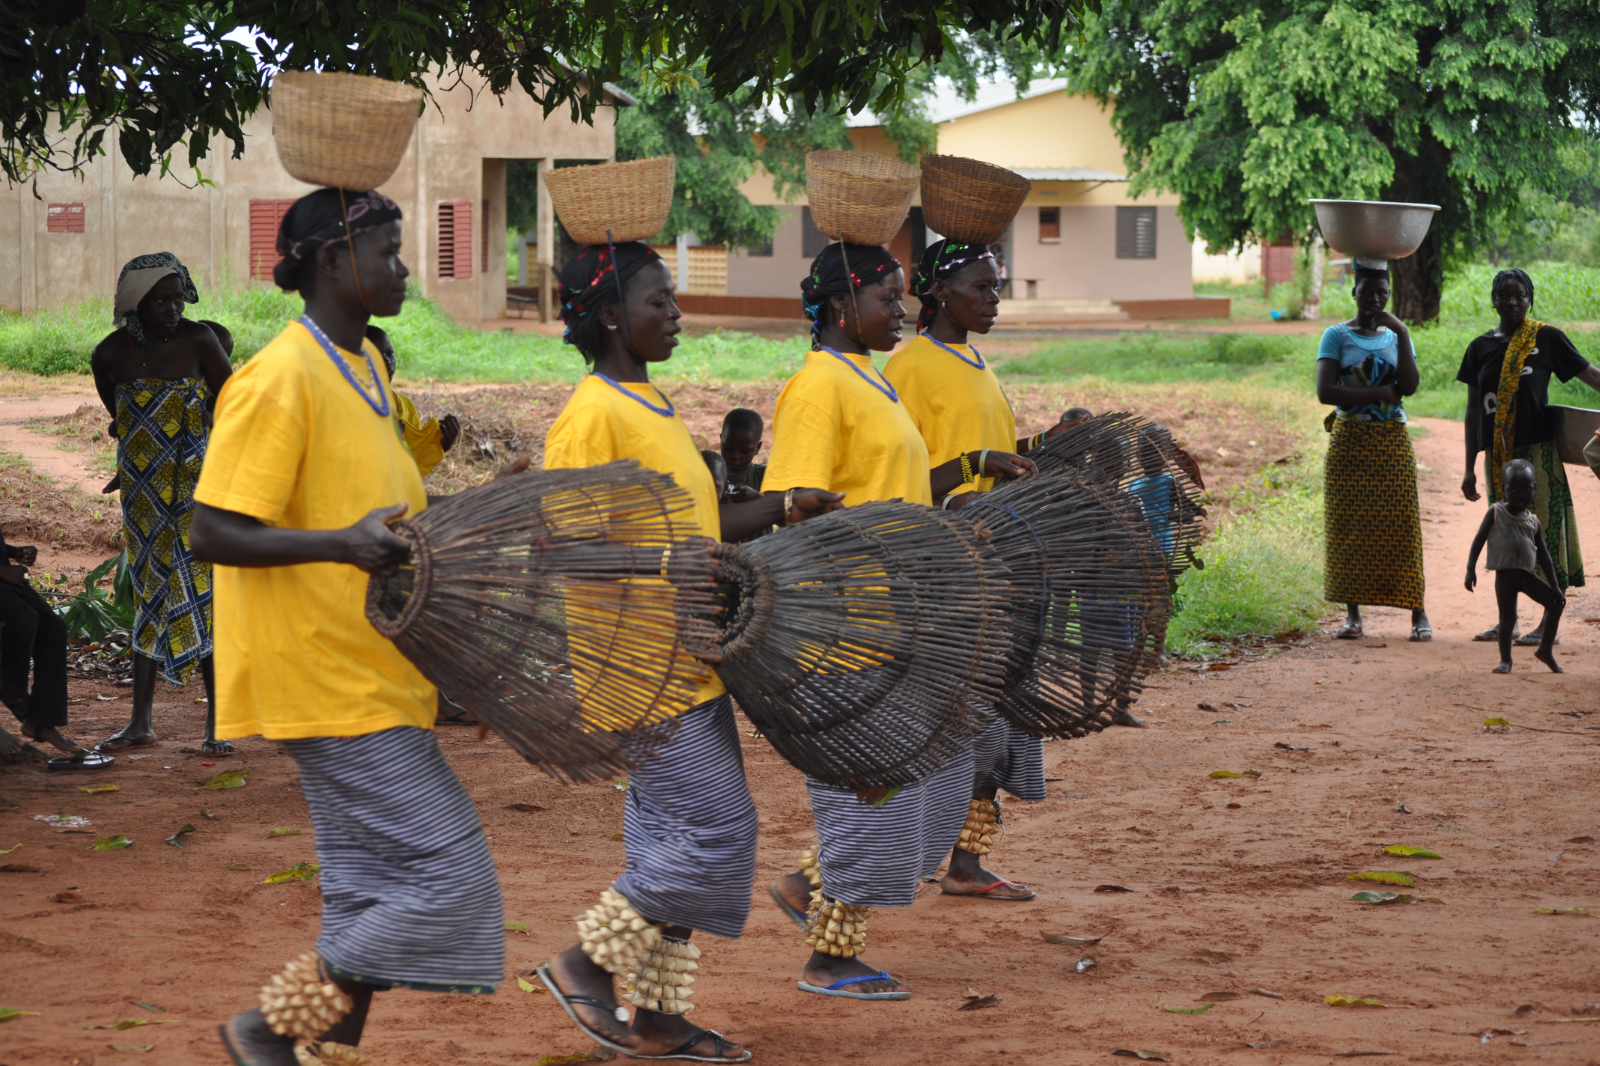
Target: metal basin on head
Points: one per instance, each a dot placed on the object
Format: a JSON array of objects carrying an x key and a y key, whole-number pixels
[{"x": 1374, "y": 229}]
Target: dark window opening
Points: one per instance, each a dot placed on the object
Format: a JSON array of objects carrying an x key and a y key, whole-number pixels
[
  {"x": 1136, "y": 233},
  {"x": 1049, "y": 223}
]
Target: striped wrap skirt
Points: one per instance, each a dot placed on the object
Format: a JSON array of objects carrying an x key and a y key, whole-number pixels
[
  {"x": 876, "y": 856},
  {"x": 690, "y": 827},
  {"x": 1007, "y": 758},
  {"x": 410, "y": 898}
]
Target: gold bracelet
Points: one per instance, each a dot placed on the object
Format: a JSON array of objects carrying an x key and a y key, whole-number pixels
[
  {"x": 966, "y": 469},
  {"x": 983, "y": 461},
  {"x": 788, "y": 505}
]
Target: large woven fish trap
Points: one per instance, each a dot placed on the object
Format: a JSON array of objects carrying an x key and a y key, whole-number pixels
[
  {"x": 866, "y": 644},
  {"x": 1089, "y": 600},
  {"x": 1125, "y": 451},
  {"x": 546, "y": 604}
]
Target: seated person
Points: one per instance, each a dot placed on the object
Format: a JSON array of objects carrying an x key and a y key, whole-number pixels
[
  {"x": 741, "y": 440},
  {"x": 34, "y": 640},
  {"x": 426, "y": 441}
]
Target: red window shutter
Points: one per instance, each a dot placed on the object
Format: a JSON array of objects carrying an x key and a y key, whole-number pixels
[
  {"x": 455, "y": 239},
  {"x": 64, "y": 218},
  {"x": 265, "y": 217}
]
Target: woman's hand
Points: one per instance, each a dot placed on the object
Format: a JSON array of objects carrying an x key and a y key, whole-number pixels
[
  {"x": 26, "y": 554},
  {"x": 1469, "y": 484},
  {"x": 1472, "y": 578},
  {"x": 1387, "y": 319},
  {"x": 808, "y": 503},
  {"x": 370, "y": 544},
  {"x": 514, "y": 468},
  {"x": 740, "y": 494},
  {"x": 1007, "y": 466}
]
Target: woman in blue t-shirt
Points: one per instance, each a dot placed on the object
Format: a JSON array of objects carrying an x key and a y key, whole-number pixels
[{"x": 1366, "y": 367}]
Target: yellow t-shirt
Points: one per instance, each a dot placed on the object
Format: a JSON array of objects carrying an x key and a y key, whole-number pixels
[
  {"x": 836, "y": 429},
  {"x": 295, "y": 446},
  {"x": 601, "y": 425},
  {"x": 424, "y": 440},
  {"x": 957, "y": 406}
]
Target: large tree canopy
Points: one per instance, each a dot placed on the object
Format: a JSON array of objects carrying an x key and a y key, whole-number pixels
[
  {"x": 167, "y": 73},
  {"x": 1249, "y": 108}
]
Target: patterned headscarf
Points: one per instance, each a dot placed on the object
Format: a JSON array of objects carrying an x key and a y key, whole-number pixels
[
  {"x": 868, "y": 263},
  {"x": 942, "y": 259},
  {"x": 135, "y": 283},
  {"x": 319, "y": 218},
  {"x": 586, "y": 280}
]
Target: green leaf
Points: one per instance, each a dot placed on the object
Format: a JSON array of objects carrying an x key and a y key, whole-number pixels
[
  {"x": 1221, "y": 997},
  {"x": 150, "y": 1006},
  {"x": 1384, "y": 877},
  {"x": 1186, "y": 1010},
  {"x": 98, "y": 789},
  {"x": 176, "y": 838},
  {"x": 8, "y": 851},
  {"x": 1582, "y": 912},
  {"x": 231, "y": 779},
  {"x": 209, "y": 813},
  {"x": 9, "y": 1014},
  {"x": 1385, "y": 899},
  {"x": 1342, "y": 1000},
  {"x": 300, "y": 871},
  {"x": 1412, "y": 853},
  {"x": 115, "y": 842},
  {"x": 283, "y": 831},
  {"x": 1497, "y": 723},
  {"x": 517, "y": 927},
  {"x": 620, "y": 785},
  {"x": 558, "y": 1060},
  {"x": 126, "y": 1023},
  {"x": 1224, "y": 773},
  {"x": 528, "y": 986}
]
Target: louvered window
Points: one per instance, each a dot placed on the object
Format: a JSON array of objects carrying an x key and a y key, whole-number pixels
[
  {"x": 64, "y": 218},
  {"x": 1136, "y": 233},
  {"x": 455, "y": 239},
  {"x": 265, "y": 217},
  {"x": 813, "y": 240},
  {"x": 1049, "y": 223}
]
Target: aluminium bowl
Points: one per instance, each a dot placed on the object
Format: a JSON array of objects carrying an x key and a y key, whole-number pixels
[{"x": 1374, "y": 229}]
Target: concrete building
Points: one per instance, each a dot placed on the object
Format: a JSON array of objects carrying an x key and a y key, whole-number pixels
[
  {"x": 1081, "y": 245},
  {"x": 69, "y": 243}
]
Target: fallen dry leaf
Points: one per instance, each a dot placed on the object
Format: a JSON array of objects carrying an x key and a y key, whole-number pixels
[
  {"x": 1221, "y": 997},
  {"x": 1412, "y": 853},
  {"x": 115, "y": 842},
  {"x": 231, "y": 779},
  {"x": 981, "y": 1003},
  {"x": 18, "y": 868},
  {"x": 1209, "y": 709},
  {"x": 1074, "y": 941},
  {"x": 1290, "y": 747},
  {"x": 1264, "y": 992},
  {"x": 95, "y": 790},
  {"x": 1144, "y": 1053},
  {"x": 1384, "y": 877},
  {"x": 1111, "y": 888},
  {"x": 1582, "y": 912},
  {"x": 1341, "y": 1000},
  {"x": 1186, "y": 1010},
  {"x": 283, "y": 831},
  {"x": 523, "y": 807},
  {"x": 528, "y": 986},
  {"x": 300, "y": 871},
  {"x": 68, "y": 897}
]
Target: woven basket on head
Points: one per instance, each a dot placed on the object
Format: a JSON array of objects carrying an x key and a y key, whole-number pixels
[
  {"x": 537, "y": 603},
  {"x": 969, "y": 200},
  {"x": 630, "y": 199},
  {"x": 1089, "y": 604},
  {"x": 346, "y": 131},
  {"x": 1124, "y": 450},
  {"x": 865, "y": 644},
  {"x": 859, "y": 197}
]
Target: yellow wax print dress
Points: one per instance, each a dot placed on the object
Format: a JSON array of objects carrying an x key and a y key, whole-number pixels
[{"x": 161, "y": 447}]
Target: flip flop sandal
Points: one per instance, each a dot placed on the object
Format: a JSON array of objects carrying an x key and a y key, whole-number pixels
[
  {"x": 797, "y": 917},
  {"x": 219, "y": 749},
  {"x": 1530, "y": 641},
  {"x": 984, "y": 892},
  {"x": 1421, "y": 634},
  {"x": 1492, "y": 634},
  {"x": 568, "y": 1002},
  {"x": 84, "y": 760},
  {"x": 123, "y": 744},
  {"x": 837, "y": 988},
  {"x": 682, "y": 1050},
  {"x": 1348, "y": 632}
]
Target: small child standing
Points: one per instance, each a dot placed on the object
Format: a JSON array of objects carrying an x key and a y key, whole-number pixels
[
  {"x": 741, "y": 440},
  {"x": 1516, "y": 545}
]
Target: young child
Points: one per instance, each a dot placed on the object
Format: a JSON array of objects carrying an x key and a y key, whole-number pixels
[
  {"x": 1516, "y": 543},
  {"x": 741, "y": 440},
  {"x": 1075, "y": 414},
  {"x": 719, "y": 471},
  {"x": 427, "y": 441}
]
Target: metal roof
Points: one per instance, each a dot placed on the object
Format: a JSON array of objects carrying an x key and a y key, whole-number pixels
[{"x": 1067, "y": 174}]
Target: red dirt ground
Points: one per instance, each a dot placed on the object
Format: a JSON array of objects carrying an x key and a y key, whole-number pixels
[{"x": 1223, "y": 898}]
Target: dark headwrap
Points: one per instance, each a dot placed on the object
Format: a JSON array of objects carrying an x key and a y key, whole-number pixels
[
  {"x": 140, "y": 276},
  {"x": 942, "y": 259},
  {"x": 829, "y": 277},
  {"x": 587, "y": 282},
  {"x": 320, "y": 217}
]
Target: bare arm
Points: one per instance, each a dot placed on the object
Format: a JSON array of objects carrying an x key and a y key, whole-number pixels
[
  {"x": 105, "y": 381},
  {"x": 1477, "y": 546},
  {"x": 1407, "y": 376},
  {"x": 233, "y": 539},
  {"x": 743, "y": 520},
  {"x": 1591, "y": 377},
  {"x": 1002, "y": 465},
  {"x": 214, "y": 365},
  {"x": 1330, "y": 392},
  {"x": 1469, "y": 480}
]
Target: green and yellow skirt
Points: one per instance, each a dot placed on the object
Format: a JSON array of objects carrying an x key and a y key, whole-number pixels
[
  {"x": 1552, "y": 502},
  {"x": 1373, "y": 528}
]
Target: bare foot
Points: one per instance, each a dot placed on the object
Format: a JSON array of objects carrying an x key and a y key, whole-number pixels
[
  {"x": 251, "y": 1042},
  {"x": 52, "y": 736},
  {"x": 795, "y": 890},
  {"x": 10, "y": 743},
  {"x": 577, "y": 975},
  {"x": 128, "y": 737},
  {"x": 824, "y": 970},
  {"x": 967, "y": 877},
  {"x": 1549, "y": 659},
  {"x": 1503, "y": 668},
  {"x": 655, "y": 1033},
  {"x": 219, "y": 748},
  {"x": 1123, "y": 716}
]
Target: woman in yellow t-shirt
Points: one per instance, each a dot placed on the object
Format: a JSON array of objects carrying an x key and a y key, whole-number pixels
[
  {"x": 304, "y": 468},
  {"x": 689, "y": 824},
  {"x": 840, "y": 425}
]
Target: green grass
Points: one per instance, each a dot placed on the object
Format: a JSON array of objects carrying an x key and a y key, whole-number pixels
[{"x": 430, "y": 345}]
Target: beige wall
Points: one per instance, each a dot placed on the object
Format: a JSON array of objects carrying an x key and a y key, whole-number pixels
[
  {"x": 457, "y": 152},
  {"x": 777, "y": 274},
  {"x": 1084, "y": 263}
]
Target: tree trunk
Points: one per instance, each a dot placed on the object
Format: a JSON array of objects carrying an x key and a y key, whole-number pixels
[
  {"x": 1316, "y": 265},
  {"x": 1418, "y": 282}
]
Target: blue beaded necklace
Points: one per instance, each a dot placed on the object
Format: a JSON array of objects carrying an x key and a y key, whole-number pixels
[
  {"x": 885, "y": 388},
  {"x": 979, "y": 365},
  {"x": 381, "y": 405},
  {"x": 666, "y": 412}
]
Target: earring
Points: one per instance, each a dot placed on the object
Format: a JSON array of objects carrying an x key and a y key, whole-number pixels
[
  {"x": 610, "y": 326},
  {"x": 841, "y": 321}
]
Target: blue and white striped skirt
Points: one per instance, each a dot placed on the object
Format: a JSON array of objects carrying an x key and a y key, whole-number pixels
[
  {"x": 690, "y": 827},
  {"x": 1008, "y": 758},
  {"x": 875, "y": 856},
  {"x": 410, "y": 898}
]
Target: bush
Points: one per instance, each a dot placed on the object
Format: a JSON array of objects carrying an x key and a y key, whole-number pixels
[{"x": 94, "y": 612}]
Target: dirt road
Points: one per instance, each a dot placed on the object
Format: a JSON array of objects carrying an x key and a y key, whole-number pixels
[{"x": 1223, "y": 897}]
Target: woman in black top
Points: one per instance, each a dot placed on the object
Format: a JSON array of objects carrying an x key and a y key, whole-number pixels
[{"x": 1507, "y": 372}]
